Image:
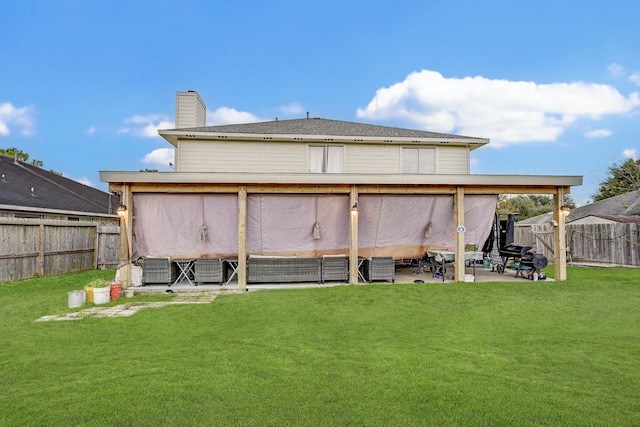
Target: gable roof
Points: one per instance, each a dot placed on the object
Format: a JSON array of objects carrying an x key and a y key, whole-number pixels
[
  {"x": 50, "y": 191},
  {"x": 614, "y": 208},
  {"x": 318, "y": 127},
  {"x": 621, "y": 218}
]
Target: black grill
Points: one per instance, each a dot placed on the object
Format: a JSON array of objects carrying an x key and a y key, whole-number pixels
[{"x": 511, "y": 251}]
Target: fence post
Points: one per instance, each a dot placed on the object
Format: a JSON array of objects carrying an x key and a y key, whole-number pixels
[{"x": 41, "y": 250}]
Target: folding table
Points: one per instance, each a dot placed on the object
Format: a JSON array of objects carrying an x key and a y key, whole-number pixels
[{"x": 185, "y": 267}]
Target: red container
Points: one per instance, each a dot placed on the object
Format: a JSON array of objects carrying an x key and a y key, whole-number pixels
[{"x": 115, "y": 289}]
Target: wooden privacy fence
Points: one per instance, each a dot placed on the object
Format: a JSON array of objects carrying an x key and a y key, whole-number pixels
[
  {"x": 614, "y": 244},
  {"x": 32, "y": 247}
]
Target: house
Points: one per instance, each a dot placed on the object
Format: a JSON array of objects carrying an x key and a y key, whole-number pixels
[
  {"x": 600, "y": 233},
  {"x": 313, "y": 187},
  {"x": 623, "y": 208},
  {"x": 27, "y": 191}
]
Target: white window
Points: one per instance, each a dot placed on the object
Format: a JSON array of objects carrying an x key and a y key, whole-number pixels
[
  {"x": 326, "y": 159},
  {"x": 419, "y": 160}
]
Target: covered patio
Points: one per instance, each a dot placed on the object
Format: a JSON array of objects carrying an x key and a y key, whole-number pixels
[{"x": 457, "y": 228}]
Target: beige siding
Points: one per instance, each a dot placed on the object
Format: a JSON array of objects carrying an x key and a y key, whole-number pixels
[
  {"x": 274, "y": 157},
  {"x": 452, "y": 160},
  {"x": 373, "y": 158},
  {"x": 246, "y": 157},
  {"x": 190, "y": 110}
]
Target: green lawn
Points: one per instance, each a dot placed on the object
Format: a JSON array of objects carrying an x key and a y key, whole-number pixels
[{"x": 482, "y": 354}]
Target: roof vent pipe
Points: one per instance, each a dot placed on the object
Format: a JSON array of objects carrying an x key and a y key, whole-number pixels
[{"x": 307, "y": 114}]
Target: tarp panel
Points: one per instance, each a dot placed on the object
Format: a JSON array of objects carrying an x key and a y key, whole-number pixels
[
  {"x": 284, "y": 225},
  {"x": 185, "y": 225}
]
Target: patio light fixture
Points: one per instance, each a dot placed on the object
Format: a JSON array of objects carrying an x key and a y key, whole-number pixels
[
  {"x": 565, "y": 210},
  {"x": 354, "y": 209},
  {"x": 122, "y": 209}
]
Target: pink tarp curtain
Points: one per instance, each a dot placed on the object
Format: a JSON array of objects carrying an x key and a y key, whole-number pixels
[
  {"x": 192, "y": 226},
  {"x": 284, "y": 225},
  {"x": 406, "y": 226},
  {"x": 186, "y": 226}
]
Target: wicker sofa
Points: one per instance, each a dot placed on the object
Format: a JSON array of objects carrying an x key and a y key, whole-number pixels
[{"x": 268, "y": 269}]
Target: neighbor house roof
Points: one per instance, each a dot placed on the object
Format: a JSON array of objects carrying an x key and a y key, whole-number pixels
[
  {"x": 617, "y": 208},
  {"x": 25, "y": 186},
  {"x": 318, "y": 128}
]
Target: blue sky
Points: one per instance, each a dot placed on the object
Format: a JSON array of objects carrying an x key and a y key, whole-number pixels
[{"x": 84, "y": 85}]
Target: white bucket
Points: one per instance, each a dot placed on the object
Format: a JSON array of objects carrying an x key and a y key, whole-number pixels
[
  {"x": 77, "y": 298},
  {"x": 469, "y": 278},
  {"x": 101, "y": 295}
]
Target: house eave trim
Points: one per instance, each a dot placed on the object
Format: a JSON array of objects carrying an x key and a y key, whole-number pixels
[{"x": 175, "y": 136}]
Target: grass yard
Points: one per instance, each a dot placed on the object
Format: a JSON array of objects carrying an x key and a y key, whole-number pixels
[{"x": 481, "y": 354}]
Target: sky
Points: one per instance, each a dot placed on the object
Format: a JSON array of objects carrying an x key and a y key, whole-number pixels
[{"x": 554, "y": 85}]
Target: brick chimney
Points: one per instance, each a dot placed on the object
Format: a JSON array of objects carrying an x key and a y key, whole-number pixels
[{"x": 190, "y": 110}]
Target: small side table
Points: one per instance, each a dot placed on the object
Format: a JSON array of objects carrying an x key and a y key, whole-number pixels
[
  {"x": 185, "y": 266},
  {"x": 233, "y": 263}
]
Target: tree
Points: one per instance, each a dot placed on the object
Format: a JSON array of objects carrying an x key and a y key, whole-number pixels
[
  {"x": 622, "y": 178},
  {"x": 13, "y": 152},
  {"x": 529, "y": 205},
  {"x": 23, "y": 157}
]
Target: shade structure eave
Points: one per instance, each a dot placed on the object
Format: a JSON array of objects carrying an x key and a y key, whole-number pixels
[{"x": 500, "y": 181}]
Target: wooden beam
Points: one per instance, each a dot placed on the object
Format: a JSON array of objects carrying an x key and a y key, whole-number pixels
[
  {"x": 472, "y": 189},
  {"x": 234, "y": 188},
  {"x": 299, "y": 189},
  {"x": 458, "y": 217},
  {"x": 242, "y": 239},
  {"x": 142, "y": 187},
  {"x": 353, "y": 236},
  {"x": 391, "y": 189}
]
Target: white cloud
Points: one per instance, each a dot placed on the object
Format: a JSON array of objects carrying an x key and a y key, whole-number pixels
[
  {"x": 292, "y": 109},
  {"x": 146, "y": 126},
  {"x": 616, "y": 70},
  {"x": 160, "y": 157},
  {"x": 21, "y": 118},
  {"x": 228, "y": 116},
  {"x": 598, "y": 133},
  {"x": 630, "y": 153},
  {"x": 507, "y": 112}
]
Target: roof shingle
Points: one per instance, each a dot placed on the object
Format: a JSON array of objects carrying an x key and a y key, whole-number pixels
[
  {"x": 319, "y": 126},
  {"x": 50, "y": 191}
]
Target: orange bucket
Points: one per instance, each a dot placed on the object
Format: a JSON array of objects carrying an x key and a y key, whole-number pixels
[{"x": 115, "y": 289}]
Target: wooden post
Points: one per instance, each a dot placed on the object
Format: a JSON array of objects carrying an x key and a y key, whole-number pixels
[
  {"x": 560, "y": 253},
  {"x": 96, "y": 247},
  {"x": 458, "y": 218},
  {"x": 41, "y": 250},
  {"x": 353, "y": 236},
  {"x": 126, "y": 237},
  {"x": 242, "y": 238}
]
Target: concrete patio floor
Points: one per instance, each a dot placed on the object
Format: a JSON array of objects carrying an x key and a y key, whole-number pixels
[{"x": 403, "y": 275}]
